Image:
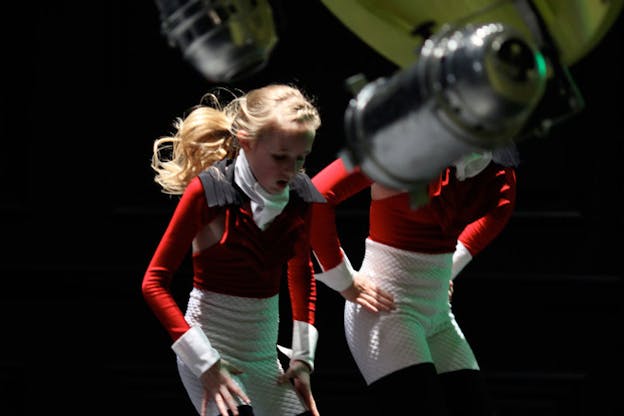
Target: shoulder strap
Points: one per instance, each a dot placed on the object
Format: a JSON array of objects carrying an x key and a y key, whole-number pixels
[
  {"x": 305, "y": 189},
  {"x": 218, "y": 184}
]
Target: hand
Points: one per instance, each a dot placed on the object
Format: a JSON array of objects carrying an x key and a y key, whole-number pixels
[
  {"x": 220, "y": 387},
  {"x": 299, "y": 373},
  {"x": 367, "y": 294}
]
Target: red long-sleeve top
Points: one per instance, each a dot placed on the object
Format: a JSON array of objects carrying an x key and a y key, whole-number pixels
[
  {"x": 473, "y": 211},
  {"x": 247, "y": 261}
]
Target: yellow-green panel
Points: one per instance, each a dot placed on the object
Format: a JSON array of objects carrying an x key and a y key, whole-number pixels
[{"x": 388, "y": 25}]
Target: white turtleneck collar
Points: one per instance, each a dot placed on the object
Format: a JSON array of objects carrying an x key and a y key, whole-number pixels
[
  {"x": 472, "y": 164},
  {"x": 264, "y": 206}
]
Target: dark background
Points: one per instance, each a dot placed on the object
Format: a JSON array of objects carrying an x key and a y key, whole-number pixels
[{"x": 87, "y": 87}]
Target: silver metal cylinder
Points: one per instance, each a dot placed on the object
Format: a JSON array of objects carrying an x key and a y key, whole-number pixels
[{"x": 472, "y": 88}]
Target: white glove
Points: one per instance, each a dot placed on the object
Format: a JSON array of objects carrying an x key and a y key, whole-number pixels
[
  {"x": 194, "y": 349},
  {"x": 340, "y": 277},
  {"x": 461, "y": 257},
  {"x": 304, "y": 340}
]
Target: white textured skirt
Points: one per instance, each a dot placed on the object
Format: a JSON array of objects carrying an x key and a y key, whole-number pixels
[
  {"x": 421, "y": 329},
  {"x": 244, "y": 331}
]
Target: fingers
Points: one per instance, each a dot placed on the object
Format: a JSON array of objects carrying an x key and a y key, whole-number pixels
[
  {"x": 304, "y": 390},
  {"x": 296, "y": 370},
  {"x": 221, "y": 405},
  {"x": 299, "y": 373},
  {"x": 305, "y": 393},
  {"x": 285, "y": 377},
  {"x": 384, "y": 300},
  {"x": 312, "y": 407},
  {"x": 376, "y": 300},
  {"x": 289, "y": 374},
  {"x": 239, "y": 392},
  {"x": 226, "y": 394},
  {"x": 232, "y": 387},
  {"x": 204, "y": 406},
  {"x": 225, "y": 400},
  {"x": 369, "y": 295}
]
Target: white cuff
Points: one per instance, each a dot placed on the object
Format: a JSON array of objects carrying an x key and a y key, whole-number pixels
[
  {"x": 461, "y": 257},
  {"x": 340, "y": 277},
  {"x": 195, "y": 351},
  {"x": 304, "y": 339}
]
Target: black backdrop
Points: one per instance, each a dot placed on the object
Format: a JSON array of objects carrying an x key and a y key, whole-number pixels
[{"x": 86, "y": 88}]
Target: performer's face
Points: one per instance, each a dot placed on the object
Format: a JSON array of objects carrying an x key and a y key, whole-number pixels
[{"x": 277, "y": 155}]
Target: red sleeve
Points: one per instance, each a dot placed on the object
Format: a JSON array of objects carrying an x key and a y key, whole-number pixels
[
  {"x": 477, "y": 235},
  {"x": 301, "y": 283},
  {"x": 189, "y": 216},
  {"x": 336, "y": 184}
]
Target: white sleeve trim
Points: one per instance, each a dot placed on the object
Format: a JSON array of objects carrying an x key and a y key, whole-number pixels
[
  {"x": 304, "y": 340},
  {"x": 194, "y": 349},
  {"x": 340, "y": 277},
  {"x": 461, "y": 257}
]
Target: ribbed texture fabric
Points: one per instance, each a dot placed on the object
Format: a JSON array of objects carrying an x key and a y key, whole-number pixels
[
  {"x": 244, "y": 331},
  {"x": 421, "y": 329}
]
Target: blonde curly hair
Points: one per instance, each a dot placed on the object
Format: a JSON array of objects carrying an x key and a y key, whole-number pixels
[{"x": 210, "y": 132}]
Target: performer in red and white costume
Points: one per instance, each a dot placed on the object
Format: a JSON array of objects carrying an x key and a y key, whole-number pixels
[
  {"x": 245, "y": 211},
  {"x": 412, "y": 254}
]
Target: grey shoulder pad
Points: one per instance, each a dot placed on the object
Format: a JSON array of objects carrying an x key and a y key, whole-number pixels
[
  {"x": 506, "y": 155},
  {"x": 306, "y": 190},
  {"x": 218, "y": 187}
]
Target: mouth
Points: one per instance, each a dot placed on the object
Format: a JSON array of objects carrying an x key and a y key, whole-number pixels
[{"x": 282, "y": 183}]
